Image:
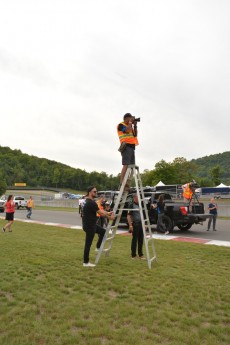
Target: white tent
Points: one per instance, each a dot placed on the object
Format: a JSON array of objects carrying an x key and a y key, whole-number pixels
[
  {"x": 221, "y": 185},
  {"x": 160, "y": 183}
]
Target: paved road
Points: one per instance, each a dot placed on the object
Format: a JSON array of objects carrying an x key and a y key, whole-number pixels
[{"x": 73, "y": 219}]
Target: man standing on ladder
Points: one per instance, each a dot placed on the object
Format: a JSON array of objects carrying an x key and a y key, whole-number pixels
[{"x": 127, "y": 133}]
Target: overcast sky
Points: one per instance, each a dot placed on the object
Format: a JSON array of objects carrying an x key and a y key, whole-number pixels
[{"x": 70, "y": 70}]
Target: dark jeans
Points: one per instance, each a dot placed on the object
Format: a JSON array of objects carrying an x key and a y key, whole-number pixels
[
  {"x": 212, "y": 219},
  {"x": 89, "y": 236},
  {"x": 137, "y": 239},
  {"x": 160, "y": 224},
  {"x": 101, "y": 222}
]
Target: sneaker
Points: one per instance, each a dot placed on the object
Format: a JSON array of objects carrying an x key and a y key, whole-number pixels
[
  {"x": 167, "y": 232},
  {"x": 3, "y": 230},
  {"x": 214, "y": 229},
  {"x": 142, "y": 257},
  {"x": 88, "y": 264},
  {"x": 207, "y": 229},
  {"x": 133, "y": 257},
  {"x": 97, "y": 249}
]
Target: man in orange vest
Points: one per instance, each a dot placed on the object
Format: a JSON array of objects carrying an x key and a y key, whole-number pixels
[
  {"x": 101, "y": 203},
  {"x": 30, "y": 206},
  {"x": 127, "y": 133},
  {"x": 188, "y": 193}
]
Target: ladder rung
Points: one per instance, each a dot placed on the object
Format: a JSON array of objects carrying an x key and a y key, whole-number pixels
[
  {"x": 110, "y": 238},
  {"x": 113, "y": 226},
  {"x": 128, "y": 209},
  {"x": 150, "y": 239}
]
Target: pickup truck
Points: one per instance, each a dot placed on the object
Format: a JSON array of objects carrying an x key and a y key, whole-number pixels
[
  {"x": 20, "y": 202},
  {"x": 176, "y": 213}
]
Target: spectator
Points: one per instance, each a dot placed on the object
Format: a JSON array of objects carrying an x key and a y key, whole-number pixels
[
  {"x": 30, "y": 206},
  {"x": 135, "y": 227},
  {"x": 101, "y": 204},
  {"x": 9, "y": 205},
  {"x": 160, "y": 206},
  {"x": 81, "y": 203},
  {"x": 213, "y": 211},
  {"x": 90, "y": 227},
  {"x": 107, "y": 209}
]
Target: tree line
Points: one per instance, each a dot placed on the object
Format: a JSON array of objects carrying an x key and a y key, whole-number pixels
[{"x": 16, "y": 166}]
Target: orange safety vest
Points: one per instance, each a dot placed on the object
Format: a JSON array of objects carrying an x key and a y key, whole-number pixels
[
  {"x": 100, "y": 207},
  {"x": 127, "y": 137},
  {"x": 187, "y": 194},
  {"x": 30, "y": 203}
]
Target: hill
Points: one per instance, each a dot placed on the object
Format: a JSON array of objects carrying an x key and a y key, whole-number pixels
[
  {"x": 16, "y": 166},
  {"x": 207, "y": 163}
]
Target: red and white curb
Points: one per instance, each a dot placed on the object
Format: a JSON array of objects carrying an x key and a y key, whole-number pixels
[
  {"x": 126, "y": 233},
  {"x": 185, "y": 239}
]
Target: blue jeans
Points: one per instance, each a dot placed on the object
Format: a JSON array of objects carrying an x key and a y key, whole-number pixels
[{"x": 29, "y": 212}]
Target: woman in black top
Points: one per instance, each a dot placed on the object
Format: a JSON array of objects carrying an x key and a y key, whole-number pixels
[{"x": 160, "y": 205}]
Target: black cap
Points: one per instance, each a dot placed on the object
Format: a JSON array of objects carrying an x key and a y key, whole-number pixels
[{"x": 127, "y": 115}]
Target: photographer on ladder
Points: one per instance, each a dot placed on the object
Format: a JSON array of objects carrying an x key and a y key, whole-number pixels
[{"x": 127, "y": 133}]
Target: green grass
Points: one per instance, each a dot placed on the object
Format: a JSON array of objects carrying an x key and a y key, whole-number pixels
[{"x": 47, "y": 297}]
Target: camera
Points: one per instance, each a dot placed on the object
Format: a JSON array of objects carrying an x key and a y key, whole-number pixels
[
  {"x": 136, "y": 119},
  {"x": 193, "y": 185}
]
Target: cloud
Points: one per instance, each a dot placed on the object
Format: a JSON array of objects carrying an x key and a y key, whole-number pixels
[{"x": 70, "y": 70}]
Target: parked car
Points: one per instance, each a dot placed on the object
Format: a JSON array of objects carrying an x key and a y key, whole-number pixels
[
  {"x": 20, "y": 202},
  {"x": 1, "y": 205}
]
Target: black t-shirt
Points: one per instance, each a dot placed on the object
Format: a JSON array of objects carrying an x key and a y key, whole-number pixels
[
  {"x": 160, "y": 207},
  {"x": 89, "y": 217}
]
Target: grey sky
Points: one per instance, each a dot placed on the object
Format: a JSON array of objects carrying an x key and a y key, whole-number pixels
[{"x": 70, "y": 70}]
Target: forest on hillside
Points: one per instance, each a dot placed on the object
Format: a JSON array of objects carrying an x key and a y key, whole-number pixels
[
  {"x": 16, "y": 166},
  {"x": 205, "y": 164}
]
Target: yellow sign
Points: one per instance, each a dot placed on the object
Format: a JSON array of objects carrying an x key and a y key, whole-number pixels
[{"x": 20, "y": 184}]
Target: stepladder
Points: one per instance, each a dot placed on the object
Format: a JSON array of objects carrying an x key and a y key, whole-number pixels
[{"x": 120, "y": 205}]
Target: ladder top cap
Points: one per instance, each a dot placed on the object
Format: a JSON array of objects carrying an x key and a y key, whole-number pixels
[{"x": 133, "y": 166}]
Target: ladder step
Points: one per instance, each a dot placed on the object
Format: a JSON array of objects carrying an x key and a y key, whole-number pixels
[
  {"x": 110, "y": 238},
  {"x": 113, "y": 227}
]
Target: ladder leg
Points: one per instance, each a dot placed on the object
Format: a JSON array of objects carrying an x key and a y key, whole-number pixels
[{"x": 148, "y": 239}]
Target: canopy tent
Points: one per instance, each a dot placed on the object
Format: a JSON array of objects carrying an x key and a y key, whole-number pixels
[
  {"x": 160, "y": 183},
  {"x": 221, "y": 185}
]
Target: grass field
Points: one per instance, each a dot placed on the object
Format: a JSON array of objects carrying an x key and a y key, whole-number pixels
[{"x": 47, "y": 297}]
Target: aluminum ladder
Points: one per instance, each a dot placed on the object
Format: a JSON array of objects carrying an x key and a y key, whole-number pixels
[{"x": 132, "y": 171}]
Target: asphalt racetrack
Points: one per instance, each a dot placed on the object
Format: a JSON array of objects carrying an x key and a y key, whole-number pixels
[{"x": 71, "y": 219}]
